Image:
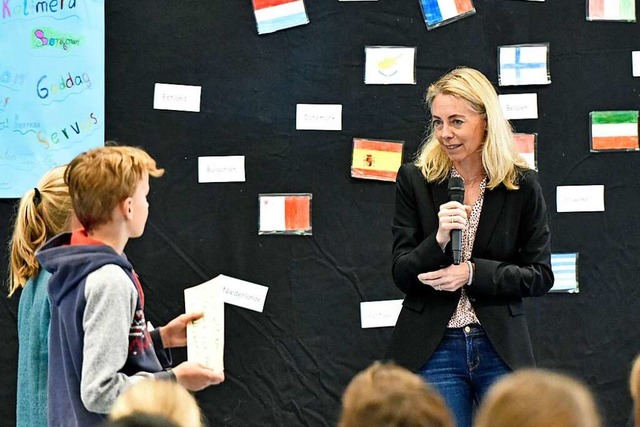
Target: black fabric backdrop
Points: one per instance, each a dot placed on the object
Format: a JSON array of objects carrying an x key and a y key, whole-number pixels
[{"x": 289, "y": 365}]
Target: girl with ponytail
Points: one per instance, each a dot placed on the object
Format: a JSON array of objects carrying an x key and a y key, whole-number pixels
[{"x": 43, "y": 212}]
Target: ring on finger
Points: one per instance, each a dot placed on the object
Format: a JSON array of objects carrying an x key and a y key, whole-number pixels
[{"x": 437, "y": 287}]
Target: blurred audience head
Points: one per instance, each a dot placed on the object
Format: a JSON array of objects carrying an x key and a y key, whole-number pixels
[
  {"x": 538, "y": 398},
  {"x": 387, "y": 395}
]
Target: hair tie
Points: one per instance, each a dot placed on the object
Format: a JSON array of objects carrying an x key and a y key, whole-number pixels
[{"x": 36, "y": 196}]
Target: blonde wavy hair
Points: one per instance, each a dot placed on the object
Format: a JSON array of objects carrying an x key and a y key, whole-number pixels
[
  {"x": 499, "y": 156},
  {"x": 538, "y": 398},
  {"x": 163, "y": 398},
  {"x": 387, "y": 395},
  {"x": 101, "y": 178},
  {"x": 42, "y": 213}
]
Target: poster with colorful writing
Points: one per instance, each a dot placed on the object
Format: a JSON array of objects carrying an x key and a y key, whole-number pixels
[{"x": 51, "y": 87}]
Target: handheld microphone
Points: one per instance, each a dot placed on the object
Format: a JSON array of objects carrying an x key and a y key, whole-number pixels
[{"x": 455, "y": 189}]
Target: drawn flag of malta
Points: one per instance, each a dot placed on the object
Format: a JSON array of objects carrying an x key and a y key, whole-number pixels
[{"x": 285, "y": 213}]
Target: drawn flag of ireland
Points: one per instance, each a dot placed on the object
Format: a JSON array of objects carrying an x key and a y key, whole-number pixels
[
  {"x": 614, "y": 130},
  {"x": 611, "y": 10}
]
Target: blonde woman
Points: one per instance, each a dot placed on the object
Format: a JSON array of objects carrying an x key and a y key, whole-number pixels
[
  {"x": 162, "y": 398},
  {"x": 538, "y": 398},
  {"x": 462, "y": 325},
  {"x": 43, "y": 212}
]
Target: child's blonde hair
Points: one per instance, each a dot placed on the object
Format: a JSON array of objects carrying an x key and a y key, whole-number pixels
[
  {"x": 164, "y": 398},
  {"x": 101, "y": 178},
  {"x": 538, "y": 398},
  {"x": 387, "y": 395},
  {"x": 43, "y": 212}
]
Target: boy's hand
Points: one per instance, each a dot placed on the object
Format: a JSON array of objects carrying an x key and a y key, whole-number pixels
[
  {"x": 195, "y": 377},
  {"x": 174, "y": 333}
]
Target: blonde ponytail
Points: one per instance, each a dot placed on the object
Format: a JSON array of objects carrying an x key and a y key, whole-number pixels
[{"x": 42, "y": 213}]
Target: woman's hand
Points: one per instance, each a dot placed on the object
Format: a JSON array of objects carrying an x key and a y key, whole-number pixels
[
  {"x": 452, "y": 216},
  {"x": 447, "y": 279}
]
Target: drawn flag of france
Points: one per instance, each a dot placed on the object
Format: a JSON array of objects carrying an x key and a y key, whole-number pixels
[
  {"x": 440, "y": 12},
  {"x": 274, "y": 15}
]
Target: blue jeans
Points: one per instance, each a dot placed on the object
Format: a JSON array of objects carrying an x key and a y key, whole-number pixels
[{"x": 462, "y": 368}]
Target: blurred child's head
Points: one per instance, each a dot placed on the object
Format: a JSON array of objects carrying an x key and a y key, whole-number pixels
[
  {"x": 103, "y": 178},
  {"x": 43, "y": 212},
  {"x": 161, "y": 398},
  {"x": 387, "y": 395}
]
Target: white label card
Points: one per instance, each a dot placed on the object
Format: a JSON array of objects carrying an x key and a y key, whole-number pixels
[
  {"x": 176, "y": 97},
  {"x": 380, "y": 314},
  {"x": 580, "y": 198},
  {"x": 241, "y": 293},
  {"x": 319, "y": 117},
  {"x": 519, "y": 106},
  {"x": 635, "y": 60},
  {"x": 221, "y": 169}
]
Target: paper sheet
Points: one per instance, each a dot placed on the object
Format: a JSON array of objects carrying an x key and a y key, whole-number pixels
[
  {"x": 565, "y": 271},
  {"x": 519, "y": 106},
  {"x": 580, "y": 198},
  {"x": 205, "y": 336},
  {"x": 221, "y": 169},
  {"x": 176, "y": 97},
  {"x": 319, "y": 117},
  {"x": 379, "y": 314}
]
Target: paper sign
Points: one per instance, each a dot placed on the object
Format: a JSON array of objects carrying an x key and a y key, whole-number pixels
[
  {"x": 319, "y": 117},
  {"x": 285, "y": 214},
  {"x": 565, "y": 272},
  {"x": 205, "y": 336},
  {"x": 611, "y": 10},
  {"x": 523, "y": 65},
  {"x": 241, "y": 293},
  {"x": 176, "y": 97},
  {"x": 519, "y": 106},
  {"x": 614, "y": 130},
  {"x": 386, "y": 65},
  {"x": 635, "y": 63},
  {"x": 376, "y": 159},
  {"x": 221, "y": 169},
  {"x": 380, "y": 314},
  {"x": 580, "y": 198},
  {"x": 526, "y": 146}
]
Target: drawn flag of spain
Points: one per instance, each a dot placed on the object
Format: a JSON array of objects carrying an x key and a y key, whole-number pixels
[
  {"x": 275, "y": 15},
  {"x": 614, "y": 130},
  {"x": 376, "y": 159},
  {"x": 285, "y": 214},
  {"x": 440, "y": 12}
]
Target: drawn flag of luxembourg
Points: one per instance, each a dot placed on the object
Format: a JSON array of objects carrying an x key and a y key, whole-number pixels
[
  {"x": 611, "y": 10},
  {"x": 614, "y": 130},
  {"x": 285, "y": 214},
  {"x": 379, "y": 160},
  {"x": 441, "y": 12},
  {"x": 275, "y": 15}
]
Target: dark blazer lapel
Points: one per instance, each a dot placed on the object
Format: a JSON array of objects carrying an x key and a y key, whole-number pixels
[{"x": 491, "y": 207}]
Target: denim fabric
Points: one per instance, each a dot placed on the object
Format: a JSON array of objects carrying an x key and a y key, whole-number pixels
[{"x": 462, "y": 368}]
